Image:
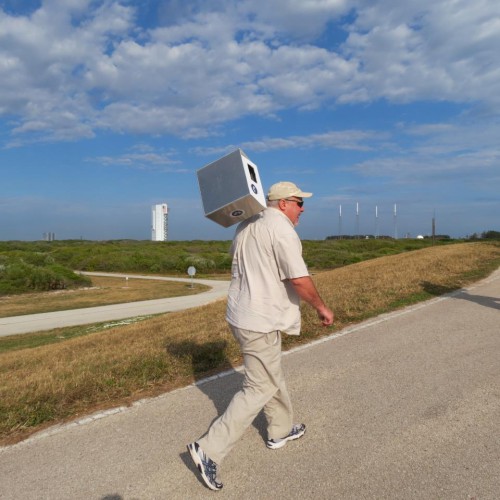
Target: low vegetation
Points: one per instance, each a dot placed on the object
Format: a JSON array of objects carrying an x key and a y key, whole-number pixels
[
  {"x": 34, "y": 271},
  {"x": 45, "y": 266},
  {"x": 174, "y": 257},
  {"x": 113, "y": 366}
]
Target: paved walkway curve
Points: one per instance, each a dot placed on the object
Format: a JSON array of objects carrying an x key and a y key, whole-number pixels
[{"x": 14, "y": 325}]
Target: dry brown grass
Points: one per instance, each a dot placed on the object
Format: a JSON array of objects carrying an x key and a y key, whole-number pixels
[
  {"x": 104, "y": 291},
  {"x": 379, "y": 285},
  {"x": 49, "y": 384}
]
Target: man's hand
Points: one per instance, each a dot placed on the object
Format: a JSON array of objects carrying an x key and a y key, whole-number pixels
[
  {"x": 306, "y": 290},
  {"x": 326, "y": 316}
]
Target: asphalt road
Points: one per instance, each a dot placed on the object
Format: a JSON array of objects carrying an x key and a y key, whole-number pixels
[
  {"x": 405, "y": 406},
  {"x": 45, "y": 321}
]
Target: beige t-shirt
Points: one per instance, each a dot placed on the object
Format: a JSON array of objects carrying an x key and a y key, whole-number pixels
[{"x": 266, "y": 253}]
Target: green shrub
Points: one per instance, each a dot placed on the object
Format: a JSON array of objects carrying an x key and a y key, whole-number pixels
[{"x": 19, "y": 275}]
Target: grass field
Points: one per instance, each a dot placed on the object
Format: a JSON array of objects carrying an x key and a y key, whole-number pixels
[
  {"x": 174, "y": 257},
  {"x": 117, "y": 365}
]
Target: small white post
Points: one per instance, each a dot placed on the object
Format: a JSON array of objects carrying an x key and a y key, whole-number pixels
[{"x": 191, "y": 271}]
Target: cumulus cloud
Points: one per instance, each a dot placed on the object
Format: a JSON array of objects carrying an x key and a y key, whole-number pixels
[
  {"x": 71, "y": 68},
  {"x": 142, "y": 157},
  {"x": 434, "y": 50},
  {"x": 355, "y": 140},
  {"x": 441, "y": 156}
]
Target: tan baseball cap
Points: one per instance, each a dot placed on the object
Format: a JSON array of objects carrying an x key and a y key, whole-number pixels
[{"x": 282, "y": 190}]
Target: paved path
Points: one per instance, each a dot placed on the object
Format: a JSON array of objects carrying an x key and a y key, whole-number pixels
[
  {"x": 45, "y": 321},
  {"x": 405, "y": 406}
]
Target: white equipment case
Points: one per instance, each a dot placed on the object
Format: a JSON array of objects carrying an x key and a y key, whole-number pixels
[{"x": 231, "y": 190}]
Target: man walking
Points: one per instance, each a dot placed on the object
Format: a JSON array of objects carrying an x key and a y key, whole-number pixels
[{"x": 269, "y": 278}]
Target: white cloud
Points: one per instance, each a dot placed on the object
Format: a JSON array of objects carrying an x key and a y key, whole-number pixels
[
  {"x": 143, "y": 157},
  {"x": 71, "y": 68},
  {"x": 447, "y": 139},
  {"x": 441, "y": 157},
  {"x": 443, "y": 50},
  {"x": 42, "y": 57},
  {"x": 356, "y": 140},
  {"x": 296, "y": 19}
]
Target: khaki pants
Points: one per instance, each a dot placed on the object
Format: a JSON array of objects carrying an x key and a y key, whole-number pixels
[{"x": 263, "y": 388}]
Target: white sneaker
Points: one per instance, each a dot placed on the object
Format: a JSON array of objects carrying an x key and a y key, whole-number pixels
[
  {"x": 298, "y": 430},
  {"x": 206, "y": 466}
]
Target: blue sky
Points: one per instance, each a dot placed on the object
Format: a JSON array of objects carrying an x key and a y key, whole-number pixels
[{"x": 108, "y": 107}]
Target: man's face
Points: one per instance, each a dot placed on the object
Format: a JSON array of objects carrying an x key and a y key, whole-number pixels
[{"x": 292, "y": 208}]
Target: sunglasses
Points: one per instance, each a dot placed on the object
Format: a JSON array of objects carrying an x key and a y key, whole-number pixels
[{"x": 300, "y": 204}]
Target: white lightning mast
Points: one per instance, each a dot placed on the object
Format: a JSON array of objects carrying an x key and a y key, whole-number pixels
[
  {"x": 395, "y": 222},
  {"x": 434, "y": 226},
  {"x": 376, "y": 221},
  {"x": 340, "y": 221},
  {"x": 357, "y": 220}
]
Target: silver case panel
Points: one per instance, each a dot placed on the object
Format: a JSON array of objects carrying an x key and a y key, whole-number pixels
[{"x": 230, "y": 189}]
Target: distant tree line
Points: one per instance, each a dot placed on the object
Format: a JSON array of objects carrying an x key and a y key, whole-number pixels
[
  {"x": 382, "y": 237},
  {"x": 358, "y": 237},
  {"x": 487, "y": 235}
]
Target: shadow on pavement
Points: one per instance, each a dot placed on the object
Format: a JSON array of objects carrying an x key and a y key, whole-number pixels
[
  {"x": 204, "y": 358},
  {"x": 482, "y": 300},
  {"x": 211, "y": 357},
  {"x": 437, "y": 290}
]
